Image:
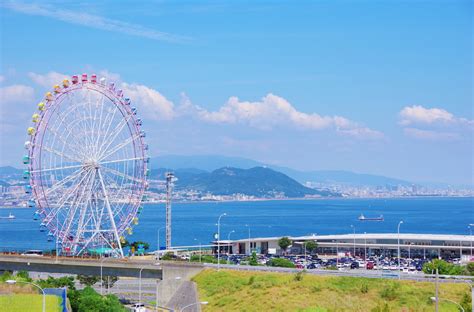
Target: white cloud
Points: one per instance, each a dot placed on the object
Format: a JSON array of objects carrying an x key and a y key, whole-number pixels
[
  {"x": 48, "y": 80},
  {"x": 433, "y": 123},
  {"x": 93, "y": 21},
  {"x": 430, "y": 134},
  {"x": 153, "y": 103},
  {"x": 274, "y": 111},
  {"x": 16, "y": 94},
  {"x": 417, "y": 114}
]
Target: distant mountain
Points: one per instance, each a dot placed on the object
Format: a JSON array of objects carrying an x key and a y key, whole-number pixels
[
  {"x": 9, "y": 170},
  {"x": 203, "y": 162},
  {"x": 213, "y": 162},
  {"x": 257, "y": 181},
  {"x": 343, "y": 177}
]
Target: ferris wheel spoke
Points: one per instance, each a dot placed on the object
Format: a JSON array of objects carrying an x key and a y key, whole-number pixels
[
  {"x": 109, "y": 210},
  {"x": 67, "y": 179},
  {"x": 63, "y": 122},
  {"x": 63, "y": 200},
  {"x": 107, "y": 125},
  {"x": 56, "y": 168},
  {"x": 69, "y": 220},
  {"x": 121, "y": 174},
  {"x": 121, "y": 160},
  {"x": 120, "y": 146},
  {"x": 116, "y": 132},
  {"x": 74, "y": 149},
  {"x": 85, "y": 204},
  {"x": 61, "y": 154}
]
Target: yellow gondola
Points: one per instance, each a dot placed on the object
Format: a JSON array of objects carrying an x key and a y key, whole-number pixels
[
  {"x": 35, "y": 117},
  {"x": 65, "y": 83},
  {"x": 57, "y": 88},
  {"x": 41, "y": 106},
  {"x": 135, "y": 221},
  {"x": 48, "y": 96},
  {"x": 31, "y": 131}
]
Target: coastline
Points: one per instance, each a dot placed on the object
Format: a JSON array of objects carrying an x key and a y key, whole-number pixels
[{"x": 274, "y": 199}]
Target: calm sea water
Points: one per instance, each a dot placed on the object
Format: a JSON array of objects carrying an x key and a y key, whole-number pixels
[{"x": 196, "y": 222}]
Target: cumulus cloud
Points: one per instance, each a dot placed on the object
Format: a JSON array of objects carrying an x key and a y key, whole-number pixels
[
  {"x": 16, "y": 94},
  {"x": 433, "y": 123},
  {"x": 421, "y": 115},
  {"x": 274, "y": 111},
  {"x": 47, "y": 80},
  {"x": 90, "y": 20},
  {"x": 153, "y": 103}
]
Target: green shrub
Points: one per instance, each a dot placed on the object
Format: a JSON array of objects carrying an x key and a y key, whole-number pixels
[
  {"x": 168, "y": 256},
  {"x": 390, "y": 292},
  {"x": 364, "y": 288},
  {"x": 281, "y": 262},
  {"x": 298, "y": 276}
]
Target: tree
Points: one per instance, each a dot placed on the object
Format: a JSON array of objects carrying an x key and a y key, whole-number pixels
[
  {"x": 310, "y": 246},
  {"x": 253, "y": 259},
  {"x": 470, "y": 268},
  {"x": 88, "y": 280},
  {"x": 444, "y": 268},
  {"x": 284, "y": 243},
  {"x": 146, "y": 245},
  {"x": 109, "y": 281}
]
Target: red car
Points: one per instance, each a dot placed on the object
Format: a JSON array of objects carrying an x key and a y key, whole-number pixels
[{"x": 370, "y": 266}]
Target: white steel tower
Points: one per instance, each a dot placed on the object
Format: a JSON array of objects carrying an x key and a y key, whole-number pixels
[{"x": 169, "y": 194}]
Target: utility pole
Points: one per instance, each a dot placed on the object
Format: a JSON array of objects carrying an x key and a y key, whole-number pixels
[
  {"x": 436, "y": 293},
  {"x": 169, "y": 194}
]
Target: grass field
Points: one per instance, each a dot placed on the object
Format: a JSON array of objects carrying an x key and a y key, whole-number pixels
[
  {"x": 251, "y": 291},
  {"x": 28, "y": 302}
]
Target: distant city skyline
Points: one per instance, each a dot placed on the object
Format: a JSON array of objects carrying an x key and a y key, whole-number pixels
[{"x": 373, "y": 87}]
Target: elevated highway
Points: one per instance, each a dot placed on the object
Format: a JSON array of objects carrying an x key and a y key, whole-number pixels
[{"x": 110, "y": 266}]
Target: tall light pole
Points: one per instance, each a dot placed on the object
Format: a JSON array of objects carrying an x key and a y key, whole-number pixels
[
  {"x": 250, "y": 249},
  {"x": 218, "y": 241},
  {"x": 12, "y": 282},
  {"x": 228, "y": 245},
  {"x": 454, "y": 302},
  {"x": 354, "y": 228},
  {"x": 140, "y": 285},
  {"x": 470, "y": 226},
  {"x": 398, "y": 244},
  {"x": 192, "y": 304},
  {"x": 365, "y": 249}
]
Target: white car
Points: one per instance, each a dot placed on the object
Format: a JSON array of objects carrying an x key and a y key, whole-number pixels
[
  {"x": 33, "y": 253},
  {"x": 138, "y": 307}
]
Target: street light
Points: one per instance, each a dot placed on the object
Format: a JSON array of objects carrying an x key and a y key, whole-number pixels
[
  {"x": 218, "y": 241},
  {"x": 398, "y": 237},
  {"x": 228, "y": 247},
  {"x": 459, "y": 306},
  {"x": 140, "y": 285},
  {"x": 250, "y": 249},
  {"x": 192, "y": 304},
  {"x": 365, "y": 249},
  {"x": 470, "y": 226},
  {"x": 353, "y": 227},
  {"x": 12, "y": 282}
]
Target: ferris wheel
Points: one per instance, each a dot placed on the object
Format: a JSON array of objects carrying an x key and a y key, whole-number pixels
[{"x": 87, "y": 166}]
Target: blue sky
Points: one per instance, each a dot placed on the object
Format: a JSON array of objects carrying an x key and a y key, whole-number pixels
[{"x": 381, "y": 87}]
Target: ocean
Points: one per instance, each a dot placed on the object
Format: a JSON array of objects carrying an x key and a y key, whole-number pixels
[{"x": 195, "y": 222}]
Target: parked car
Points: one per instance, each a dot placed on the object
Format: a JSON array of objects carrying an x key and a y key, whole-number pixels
[
  {"x": 355, "y": 265},
  {"x": 33, "y": 253},
  {"x": 369, "y": 265}
]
